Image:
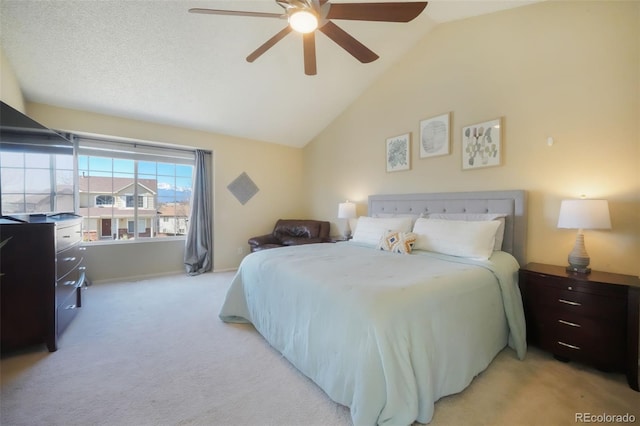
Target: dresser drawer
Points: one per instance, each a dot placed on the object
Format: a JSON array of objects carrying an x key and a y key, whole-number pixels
[
  {"x": 68, "y": 234},
  {"x": 68, "y": 260},
  {"x": 67, "y": 310},
  {"x": 67, "y": 285}
]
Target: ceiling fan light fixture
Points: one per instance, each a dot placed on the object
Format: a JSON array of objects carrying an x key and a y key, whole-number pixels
[{"x": 303, "y": 21}]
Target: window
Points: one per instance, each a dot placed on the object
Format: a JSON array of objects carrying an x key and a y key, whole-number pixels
[
  {"x": 142, "y": 224},
  {"x": 104, "y": 200},
  {"x": 130, "y": 201},
  {"x": 131, "y": 191}
]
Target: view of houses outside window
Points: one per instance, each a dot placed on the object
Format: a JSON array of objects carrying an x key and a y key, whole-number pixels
[{"x": 124, "y": 199}]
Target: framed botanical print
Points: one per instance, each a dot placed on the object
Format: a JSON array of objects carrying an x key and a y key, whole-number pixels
[
  {"x": 398, "y": 153},
  {"x": 482, "y": 144}
]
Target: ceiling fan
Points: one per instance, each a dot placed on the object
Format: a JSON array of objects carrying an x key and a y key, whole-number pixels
[{"x": 307, "y": 16}]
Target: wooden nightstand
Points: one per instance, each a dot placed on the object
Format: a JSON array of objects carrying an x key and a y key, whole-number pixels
[{"x": 587, "y": 318}]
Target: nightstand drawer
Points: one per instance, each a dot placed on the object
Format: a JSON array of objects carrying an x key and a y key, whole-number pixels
[
  {"x": 576, "y": 303},
  {"x": 577, "y": 328},
  {"x": 591, "y": 343},
  {"x": 577, "y": 286},
  {"x": 569, "y": 325}
]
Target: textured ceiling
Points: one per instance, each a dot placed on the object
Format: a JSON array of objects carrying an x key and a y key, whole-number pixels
[{"x": 151, "y": 60}]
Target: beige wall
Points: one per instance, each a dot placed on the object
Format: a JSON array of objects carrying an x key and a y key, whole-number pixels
[
  {"x": 10, "y": 91},
  {"x": 276, "y": 170},
  {"x": 569, "y": 70}
]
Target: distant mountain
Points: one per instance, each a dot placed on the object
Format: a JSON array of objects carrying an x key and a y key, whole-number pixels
[{"x": 181, "y": 195}]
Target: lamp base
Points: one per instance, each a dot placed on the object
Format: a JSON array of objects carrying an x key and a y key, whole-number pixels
[
  {"x": 579, "y": 258},
  {"x": 347, "y": 230},
  {"x": 578, "y": 270}
]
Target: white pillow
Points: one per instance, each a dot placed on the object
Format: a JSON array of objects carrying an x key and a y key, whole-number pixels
[
  {"x": 409, "y": 215},
  {"x": 472, "y": 239},
  {"x": 500, "y": 217},
  {"x": 370, "y": 229}
]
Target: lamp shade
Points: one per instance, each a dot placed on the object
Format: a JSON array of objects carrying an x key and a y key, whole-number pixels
[
  {"x": 584, "y": 214},
  {"x": 346, "y": 210}
]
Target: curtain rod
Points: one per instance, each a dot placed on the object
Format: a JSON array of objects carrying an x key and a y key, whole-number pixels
[{"x": 128, "y": 141}]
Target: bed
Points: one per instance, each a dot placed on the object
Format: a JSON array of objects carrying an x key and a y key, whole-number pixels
[{"x": 385, "y": 333}]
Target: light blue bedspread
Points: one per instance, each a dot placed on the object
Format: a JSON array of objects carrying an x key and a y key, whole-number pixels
[{"x": 385, "y": 334}]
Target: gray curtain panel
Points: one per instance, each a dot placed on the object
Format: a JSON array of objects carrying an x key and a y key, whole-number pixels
[{"x": 199, "y": 245}]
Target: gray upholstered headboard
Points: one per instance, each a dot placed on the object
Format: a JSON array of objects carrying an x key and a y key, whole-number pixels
[{"x": 511, "y": 203}]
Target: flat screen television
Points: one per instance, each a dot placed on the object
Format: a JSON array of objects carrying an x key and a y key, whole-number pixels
[
  {"x": 36, "y": 166},
  {"x": 18, "y": 132}
]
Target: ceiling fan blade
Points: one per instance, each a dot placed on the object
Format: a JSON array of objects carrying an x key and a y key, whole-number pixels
[
  {"x": 348, "y": 43},
  {"x": 268, "y": 44},
  {"x": 237, "y": 13},
  {"x": 386, "y": 12},
  {"x": 309, "y": 47}
]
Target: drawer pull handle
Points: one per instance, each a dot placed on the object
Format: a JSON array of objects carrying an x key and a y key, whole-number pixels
[
  {"x": 82, "y": 248},
  {"x": 569, "y": 346},
  {"x": 69, "y": 283},
  {"x": 568, "y": 302},
  {"x": 66, "y": 236},
  {"x": 69, "y": 259},
  {"x": 572, "y": 324},
  {"x": 70, "y": 307}
]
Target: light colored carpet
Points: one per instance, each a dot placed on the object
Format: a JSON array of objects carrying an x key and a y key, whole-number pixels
[{"x": 154, "y": 352}]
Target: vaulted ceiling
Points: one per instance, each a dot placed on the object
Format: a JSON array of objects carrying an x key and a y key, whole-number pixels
[{"x": 151, "y": 60}]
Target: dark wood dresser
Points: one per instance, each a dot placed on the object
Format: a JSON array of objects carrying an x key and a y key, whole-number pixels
[
  {"x": 42, "y": 273},
  {"x": 587, "y": 318}
]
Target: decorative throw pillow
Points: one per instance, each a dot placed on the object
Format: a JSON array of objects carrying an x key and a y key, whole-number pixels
[{"x": 397, "y": 242}]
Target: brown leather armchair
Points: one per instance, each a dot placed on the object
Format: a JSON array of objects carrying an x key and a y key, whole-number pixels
[{"x": 290, "y": 232}]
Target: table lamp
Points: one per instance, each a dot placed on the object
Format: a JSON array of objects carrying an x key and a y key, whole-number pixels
[
  {"x": 347, "y": 210},
  {"x": 583, "y": 214}
]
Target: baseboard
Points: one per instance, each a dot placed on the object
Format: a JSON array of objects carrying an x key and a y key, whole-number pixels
[
  {"x": 148, "y": 276},
  {"x": 226, "y": 270},
  {"x": 139, "y": 277}
]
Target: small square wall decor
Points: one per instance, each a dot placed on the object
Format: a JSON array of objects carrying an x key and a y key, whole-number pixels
[
  {"x": 398, "y": 153},
  {"x": 243, "y": 188},
  {"x": 434, "y": 136},
  {"x": 481, "y": 144}
]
